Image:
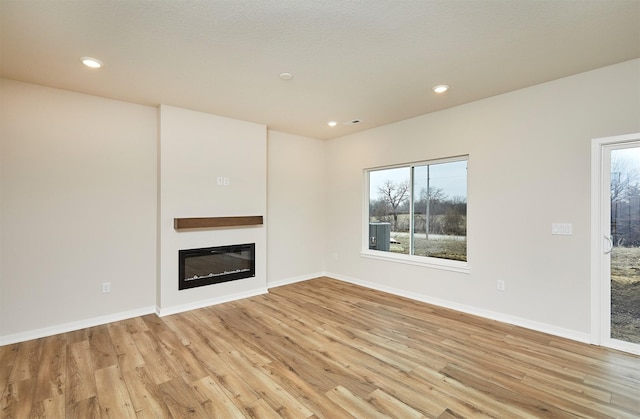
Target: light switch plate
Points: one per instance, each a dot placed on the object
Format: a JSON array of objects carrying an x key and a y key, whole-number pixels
[{"x": 562, "y": 229}]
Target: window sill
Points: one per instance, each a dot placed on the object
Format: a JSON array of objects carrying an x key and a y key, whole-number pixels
[{"x": 427, "y": 262}]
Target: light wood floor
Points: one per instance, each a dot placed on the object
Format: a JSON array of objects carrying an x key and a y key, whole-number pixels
[{"x": 320, "y": 348}]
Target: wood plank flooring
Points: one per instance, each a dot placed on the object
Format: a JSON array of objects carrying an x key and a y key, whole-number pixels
[{"x": 316, "y": 349}]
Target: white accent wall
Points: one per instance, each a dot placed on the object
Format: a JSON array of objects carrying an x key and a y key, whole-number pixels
[
  {"x": 529, "y": 167},
  {"x": 296, "y": 204},
  {"x": 195, "y": 150},
  {"x": 78, "y": 208}
]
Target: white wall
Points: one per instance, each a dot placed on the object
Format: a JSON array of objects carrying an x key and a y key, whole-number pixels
[
  {"x": 77, "y": 208},
  {"x": 296, "y": 205},
  {"x": 195, "y": 149},
  {"x": 529, "y": 166}
]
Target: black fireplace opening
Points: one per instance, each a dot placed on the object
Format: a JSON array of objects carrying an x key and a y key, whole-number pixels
[{"x": 213, "y": 265}]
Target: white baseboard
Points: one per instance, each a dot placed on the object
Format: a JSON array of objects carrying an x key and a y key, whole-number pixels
[
  {"x": 488, "y": 314},
  {"x": 288, "y": 281},
  {"x": 69, "y": 327},
  {"x": 167, "y": 311}
]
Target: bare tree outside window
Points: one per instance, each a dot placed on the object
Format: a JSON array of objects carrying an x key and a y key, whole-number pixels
[
  {"x": 625, "y": 195},
  {"x": 395, "y": 195}
]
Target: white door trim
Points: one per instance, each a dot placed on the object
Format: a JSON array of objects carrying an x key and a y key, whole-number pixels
[{"x": 600, "y": 216}]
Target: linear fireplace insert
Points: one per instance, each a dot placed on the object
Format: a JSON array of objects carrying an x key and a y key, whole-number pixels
[{"x": 213, "y": 265}]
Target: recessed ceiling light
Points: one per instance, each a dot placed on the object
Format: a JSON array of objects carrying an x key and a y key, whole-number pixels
[
  {"x": 441, "y": 88},
  {"x": 91, "y": 62},
  {"x": 332, "y": 123},
  {"x": 286, "y": 76}
]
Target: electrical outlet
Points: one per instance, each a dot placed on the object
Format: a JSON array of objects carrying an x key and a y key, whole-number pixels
[
  {"x": 500, "y": 285},
  {"x": 106, "y": 287}
]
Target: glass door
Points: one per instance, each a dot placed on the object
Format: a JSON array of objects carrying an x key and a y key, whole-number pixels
[
  {"x": 616, "y": 242},
  {"x": 624, "y": 237}
]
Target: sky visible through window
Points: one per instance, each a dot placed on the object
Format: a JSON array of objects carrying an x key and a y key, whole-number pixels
[
  {"x": 449, "y": 176},
  {"x": 632, "y": 155}
]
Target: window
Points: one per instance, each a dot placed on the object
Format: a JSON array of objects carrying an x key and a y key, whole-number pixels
[{"x": 418, "y": 212}]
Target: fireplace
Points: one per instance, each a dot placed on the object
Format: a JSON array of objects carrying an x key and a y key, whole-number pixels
[{"x": 213, "y": 265}]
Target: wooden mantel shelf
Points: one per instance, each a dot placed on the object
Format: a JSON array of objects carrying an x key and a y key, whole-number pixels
[{"x": 214, "y": 222}]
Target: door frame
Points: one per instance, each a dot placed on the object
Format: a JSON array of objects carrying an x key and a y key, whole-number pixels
[{"x": 600, "y": 226}]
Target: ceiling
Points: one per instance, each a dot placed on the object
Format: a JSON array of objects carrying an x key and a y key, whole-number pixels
[{"x": 372, "y": 60}]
